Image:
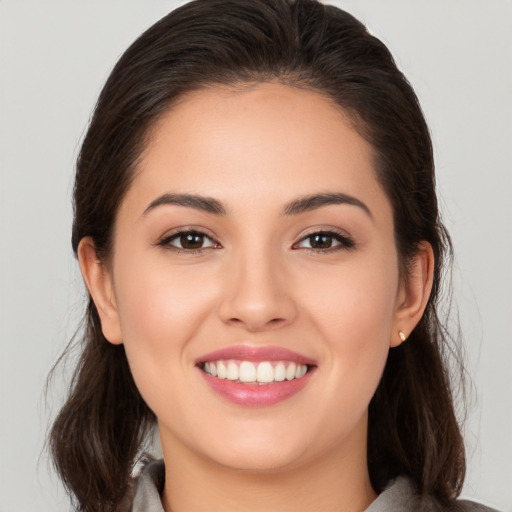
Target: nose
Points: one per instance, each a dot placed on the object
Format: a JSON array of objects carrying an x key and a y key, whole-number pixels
[{"x": 257, "y": 293}]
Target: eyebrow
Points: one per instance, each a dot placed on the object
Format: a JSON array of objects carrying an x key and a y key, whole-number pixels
[
  {"x": 206, "y": 204},
  {"x": 296, "y": 207},
  {"x": 312, "y": 202}
]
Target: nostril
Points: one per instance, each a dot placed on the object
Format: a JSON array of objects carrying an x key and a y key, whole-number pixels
[
  {"x": 253, "y": 325},
  {"x": 276, "y": 322}
]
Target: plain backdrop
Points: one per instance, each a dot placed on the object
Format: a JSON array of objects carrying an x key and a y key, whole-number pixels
[{"x": 54, "y": 58}]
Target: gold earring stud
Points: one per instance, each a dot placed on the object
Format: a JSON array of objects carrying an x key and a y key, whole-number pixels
[{"x": 402, "y": 335}]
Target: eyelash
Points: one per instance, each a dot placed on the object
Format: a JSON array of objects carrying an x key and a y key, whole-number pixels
[
  {"x": 345, "y": 242},
  {"x": 166, "y": 241}
]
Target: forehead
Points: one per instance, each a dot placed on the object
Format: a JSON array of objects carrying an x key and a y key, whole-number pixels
[{"x": 267, "y": 141}]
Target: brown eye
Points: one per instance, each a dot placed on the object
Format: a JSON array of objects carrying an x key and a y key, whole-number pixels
[
  {"x": 321, "y": 241},
  {"x": 188, "y": 241},
  {"x": 325, "y": 240},
  {"x": 191, "y": 240}
]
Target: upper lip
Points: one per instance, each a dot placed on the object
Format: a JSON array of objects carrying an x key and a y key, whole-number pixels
[{"x": 255, "y": 354}]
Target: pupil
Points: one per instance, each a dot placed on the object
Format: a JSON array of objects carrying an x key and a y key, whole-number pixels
[
  {"x": 191, "y": 241},
  {"x": 321, "y": 242}
]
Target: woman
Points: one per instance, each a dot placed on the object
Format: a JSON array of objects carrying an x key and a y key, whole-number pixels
[{"x": 257, "y": 226}]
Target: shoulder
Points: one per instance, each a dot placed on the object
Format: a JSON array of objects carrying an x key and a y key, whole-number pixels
[
  {"x": 473, "y": 506},
  {"x": 401, "y": 496}
]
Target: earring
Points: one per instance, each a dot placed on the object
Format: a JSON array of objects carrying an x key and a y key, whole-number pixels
[{"x": 402, "y": 335}]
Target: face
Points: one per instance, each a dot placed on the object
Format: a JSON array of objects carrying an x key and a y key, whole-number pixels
[{"x": 256, "y": 244}]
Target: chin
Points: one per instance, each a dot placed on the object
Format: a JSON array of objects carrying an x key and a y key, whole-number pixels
[{"x": 260, "y": 460}]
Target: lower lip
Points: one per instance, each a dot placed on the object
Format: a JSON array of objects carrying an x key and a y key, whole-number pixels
[{"x": 256, "y": 395}]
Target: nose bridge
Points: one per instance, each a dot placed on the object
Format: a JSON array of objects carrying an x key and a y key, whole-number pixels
[{"x": 255, "y": 293}]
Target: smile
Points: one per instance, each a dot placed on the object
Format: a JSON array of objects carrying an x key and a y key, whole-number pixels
[
  {"x": 265, "y": 372},
  {"x": 256, "y": 376}
]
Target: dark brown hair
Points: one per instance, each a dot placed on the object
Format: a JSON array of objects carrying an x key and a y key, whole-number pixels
[{"x": 100, "y": 431}]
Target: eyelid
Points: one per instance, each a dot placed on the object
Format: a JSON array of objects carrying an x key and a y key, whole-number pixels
[
  {"x": 346, "y": 242},
  {"x": 165, "y": 240}
]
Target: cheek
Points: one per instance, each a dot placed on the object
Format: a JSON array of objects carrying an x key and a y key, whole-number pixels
[
  {"x": 160, "y": 311},
  {"x": 357, "y": 298},
  {"x": 158, "y": 302},
  {"x": 353, "y": 308}
]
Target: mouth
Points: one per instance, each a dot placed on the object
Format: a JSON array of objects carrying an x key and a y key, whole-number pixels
[
  {"x": 256, "y": 376},
  {"x": 248, "y": 372}
]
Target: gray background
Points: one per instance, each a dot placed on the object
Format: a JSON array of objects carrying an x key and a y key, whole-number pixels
[{"x": 54, "y": 57}]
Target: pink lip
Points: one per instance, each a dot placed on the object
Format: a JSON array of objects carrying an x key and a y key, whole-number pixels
[
  {"x": 256, "y": 395},
  {"x": 256, "y": 354}
]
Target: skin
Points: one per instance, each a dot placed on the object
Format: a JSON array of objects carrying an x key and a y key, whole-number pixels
[{"x": 258, "y": 282}]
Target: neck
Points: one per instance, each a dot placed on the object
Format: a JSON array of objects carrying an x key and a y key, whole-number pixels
[{"x": 337, "y": 481}]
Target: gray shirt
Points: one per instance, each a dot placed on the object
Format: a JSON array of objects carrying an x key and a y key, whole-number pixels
[{"x": 399, "y": 496}]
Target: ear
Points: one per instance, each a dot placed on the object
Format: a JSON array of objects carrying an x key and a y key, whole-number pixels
[
  {"x": 98, "y": 280},
  {"x": 413, "y": 294}
]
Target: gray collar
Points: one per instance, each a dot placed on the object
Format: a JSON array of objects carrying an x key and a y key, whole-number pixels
[
  {"x": 399, "y": 496},
  {"x": 149, "y": 487}
]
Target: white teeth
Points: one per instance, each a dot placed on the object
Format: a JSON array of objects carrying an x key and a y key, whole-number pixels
[
  {"x": 301, "y": 371},
  {"x": 262, "y": 373},
  {"x": 221, "y": 370},
  {"x": 232, "y": 371},
  {"x": 265, "y": 372},
  {"x": 290, "y": 371},
  {"x": 247, "y": 372},
  {"x": 279, "y": 372}
]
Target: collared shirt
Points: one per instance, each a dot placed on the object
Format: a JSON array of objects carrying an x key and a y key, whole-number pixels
[{"x": 399, "y": 496}]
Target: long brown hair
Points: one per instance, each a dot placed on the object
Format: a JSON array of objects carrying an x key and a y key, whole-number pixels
[{"x": 100, "y": 431}]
